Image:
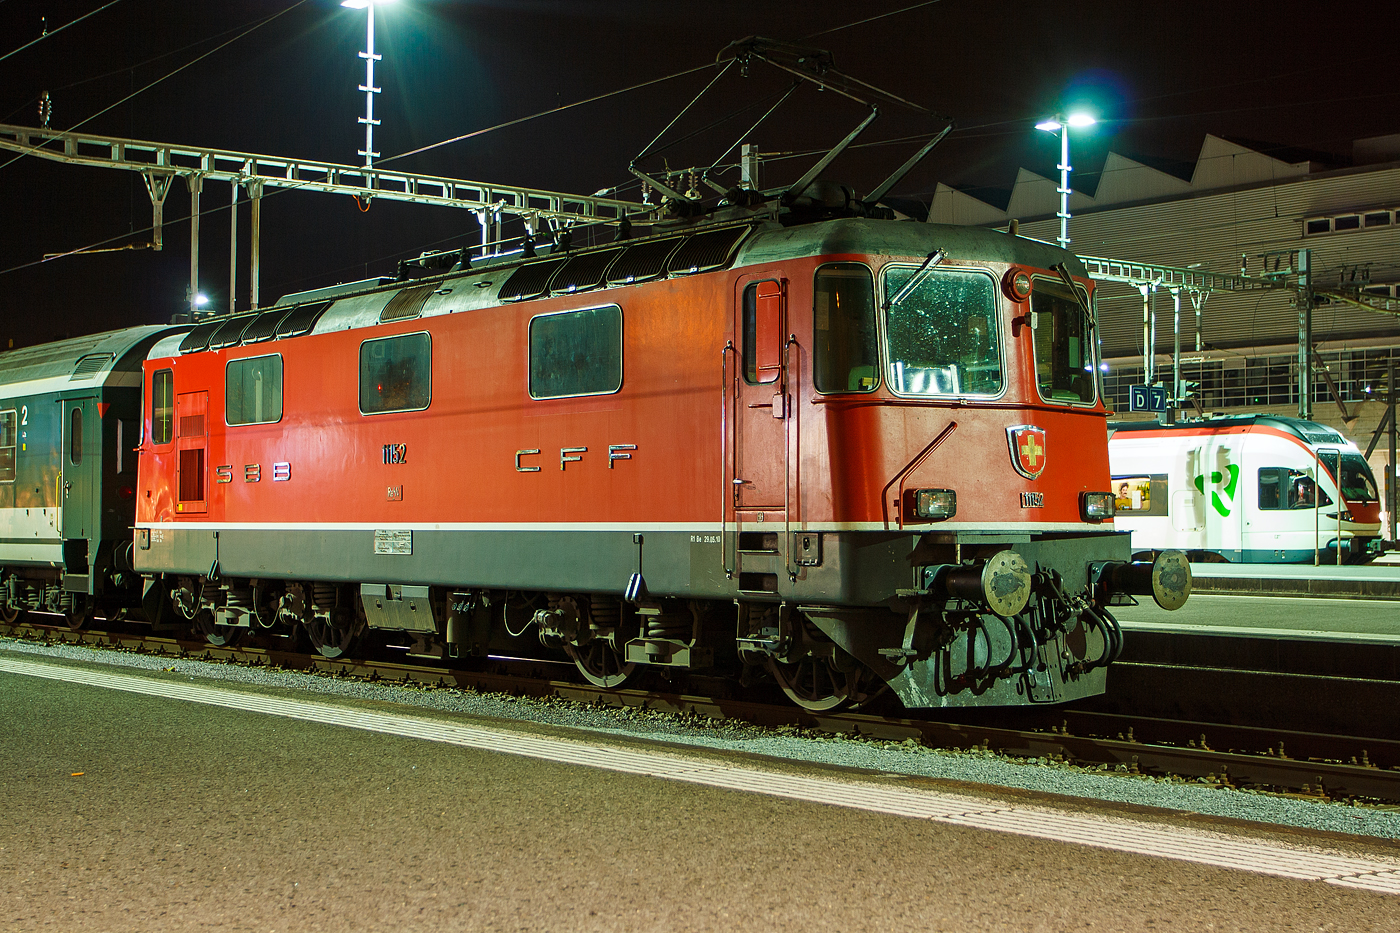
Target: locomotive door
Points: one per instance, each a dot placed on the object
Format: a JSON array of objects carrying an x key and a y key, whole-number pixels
[
  {"x": 762, "y": 407},
  {"x": 192, "y": 442},
  {"x": 82, "y": 453}
]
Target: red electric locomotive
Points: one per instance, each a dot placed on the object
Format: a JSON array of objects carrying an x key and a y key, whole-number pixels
[{"x": 851, "y": 451}]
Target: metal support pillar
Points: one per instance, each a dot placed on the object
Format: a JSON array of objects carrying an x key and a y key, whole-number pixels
[
  {"x": 233, "y": 251},
  {"x": 1176, "y": 350},
  {"x": 1390, "y": 477},
  {"x": 1198, "y": 301},
  {"x": 370, "y": 90},
  {"x": 1149, "y": 332},
  {"x": 1064, "y": 186},
  {"x": 255, "y": 190},
  {"x": 196, "y": 185},
  {"x": 1304, "y": 335},
  {"x": 158, "y": 186}
]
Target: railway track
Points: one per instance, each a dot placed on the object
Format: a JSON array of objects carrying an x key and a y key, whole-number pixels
[{"x": 1313, "y": 765}]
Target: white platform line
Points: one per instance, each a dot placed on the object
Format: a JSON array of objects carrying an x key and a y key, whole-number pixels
[{"x": 1121, "y": 835}]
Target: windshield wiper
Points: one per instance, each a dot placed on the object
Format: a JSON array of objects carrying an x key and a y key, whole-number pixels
[
  {"x": 1060, "y": 270},
  {"x": 933, "y": 259}
]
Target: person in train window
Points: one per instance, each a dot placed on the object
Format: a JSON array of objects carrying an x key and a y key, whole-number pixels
[
  {"x": 1124, "y": 499},
  {"x": 1303, "y": 496}
]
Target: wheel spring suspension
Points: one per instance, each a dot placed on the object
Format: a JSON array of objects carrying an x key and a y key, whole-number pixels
[
  {"x": 604, "y": 613},
  {"x": 669, "y": 625},
  {"x": 323, "y": 596}
]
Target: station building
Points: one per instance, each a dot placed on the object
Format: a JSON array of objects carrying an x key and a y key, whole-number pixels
[{"x": 1251, "y": 208}]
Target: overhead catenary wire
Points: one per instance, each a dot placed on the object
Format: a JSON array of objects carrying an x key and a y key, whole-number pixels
[
  {"x": 54, "y": 32},
  {"x": 167, "y": 76}
]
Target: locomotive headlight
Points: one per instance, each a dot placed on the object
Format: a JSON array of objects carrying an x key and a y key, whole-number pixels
[
  {"x": 935, "y": 504},
  {"x": 1017, "y": 285},
  {"x": 1096, "y": 506}
]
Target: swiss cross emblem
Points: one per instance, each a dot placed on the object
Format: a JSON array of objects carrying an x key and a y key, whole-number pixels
[{"x": 1027, "y": 443}]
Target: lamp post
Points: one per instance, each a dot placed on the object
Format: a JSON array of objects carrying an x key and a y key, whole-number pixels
[
  {"x": 1062, "y": 124},
  {"x": 368, "y": 87}
]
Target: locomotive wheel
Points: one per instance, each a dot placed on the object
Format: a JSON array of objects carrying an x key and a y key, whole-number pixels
[
  {"x": 601, "y": 664},
  {"x": 79, "y": 616},
  {"x": 220, "y": 636},
  {"x": 822, "y": 684},
  {"x": 9, "y": 613},
  {"x": 333, "y": 639}
]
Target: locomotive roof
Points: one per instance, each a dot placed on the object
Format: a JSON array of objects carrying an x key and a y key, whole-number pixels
[
  {"x": 1310, "y": 432},
  {"x": 901, "y": 238},
  {"x": 77, "y": 362},
  {"x": 675, "y": 252}
]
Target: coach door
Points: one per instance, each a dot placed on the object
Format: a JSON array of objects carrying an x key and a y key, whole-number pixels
[
  {"x": 82, "y": 454},
  {"x": 192, "y": 442}
]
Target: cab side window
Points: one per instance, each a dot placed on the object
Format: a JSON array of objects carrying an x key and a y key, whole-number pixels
[
  {"x": 845, "y": 357},
  {"x": 1283, "y": 489}
]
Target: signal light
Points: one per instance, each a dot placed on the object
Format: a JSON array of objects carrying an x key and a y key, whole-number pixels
[
  {"x": 1017, "y": 284},
  {"x": 1096, "y": 506},
  {"x": 935, "y": 504}
]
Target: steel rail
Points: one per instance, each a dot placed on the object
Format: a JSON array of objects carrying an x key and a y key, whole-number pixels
[{"x": 1313, "y": 765}]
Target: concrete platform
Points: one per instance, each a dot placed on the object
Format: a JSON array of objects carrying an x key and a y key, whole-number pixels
[
  {"x": 1355, "y": 620},
  {"x": 152, "y": 801}
]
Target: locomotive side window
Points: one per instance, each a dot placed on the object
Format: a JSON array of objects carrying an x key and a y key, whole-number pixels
[
  {"x": 1064, "y": 356},
  {"x": 8, "y": 443},
  {"x": 163, "y": 406},
  {"x": 576, "y": 353},
  {"x": 396, "y": 374},
  {"x": 845, "y": 357},
  {"x": 253, "y": 390},
  {"x": 943, "y": 333}
]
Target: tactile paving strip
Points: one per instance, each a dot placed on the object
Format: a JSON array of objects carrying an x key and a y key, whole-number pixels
[{"x": 1122, "y": 835}]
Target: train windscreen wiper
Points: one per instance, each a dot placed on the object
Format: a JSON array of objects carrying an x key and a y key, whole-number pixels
[{"x": 921, "y": 273}]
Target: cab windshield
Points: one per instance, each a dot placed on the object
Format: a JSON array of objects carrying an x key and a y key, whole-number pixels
[
  {"x": 1358, "y": 485},
  {"x": 942, "y": 334},
  {"x": 1064, "y": 353}
]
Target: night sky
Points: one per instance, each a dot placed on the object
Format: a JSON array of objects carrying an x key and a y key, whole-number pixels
[{"x": 1159, "y": 75}]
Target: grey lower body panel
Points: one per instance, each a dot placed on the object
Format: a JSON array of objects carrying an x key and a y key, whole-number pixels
[{"x": 863, "y": 568}]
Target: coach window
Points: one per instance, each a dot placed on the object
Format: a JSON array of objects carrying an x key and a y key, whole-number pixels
[
  {"x": 8, "y": 428},
  {"x": 163, "y": 406},
  {"x": 396, "y": 374},
  {"x": 942, "y": 332},
  {"x": 253, "y": 390},
  {"x": 1064, "y": 353},
  {"x": 576, "y": 353},
  {"x": 845, "y": 358}
]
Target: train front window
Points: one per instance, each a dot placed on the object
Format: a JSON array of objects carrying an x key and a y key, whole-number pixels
[
  {"x": 1064, "y": 353},
  {"x": 943, "y": 334},
  {"x": 845, "y": 357},
  {"x": 1358, "y": 485}
]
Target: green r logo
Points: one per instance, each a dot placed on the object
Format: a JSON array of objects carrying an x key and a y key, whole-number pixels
[{"x": 1216, "y": 478}]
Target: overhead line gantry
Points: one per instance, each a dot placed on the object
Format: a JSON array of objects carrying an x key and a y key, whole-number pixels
[{"x": 160, "y": 164}]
